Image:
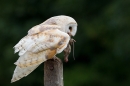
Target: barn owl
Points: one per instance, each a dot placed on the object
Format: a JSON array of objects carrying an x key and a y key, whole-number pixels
[{"x": 43, "y": 42}]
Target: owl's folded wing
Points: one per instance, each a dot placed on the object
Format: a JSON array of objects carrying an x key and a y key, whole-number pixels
[{"x": 40, "y": 47}]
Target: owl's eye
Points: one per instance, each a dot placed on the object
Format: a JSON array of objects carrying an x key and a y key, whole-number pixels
[{"x": 70, "y": 28}]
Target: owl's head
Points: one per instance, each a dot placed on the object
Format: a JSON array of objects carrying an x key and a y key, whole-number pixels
[{"x": 67, "y": 24}]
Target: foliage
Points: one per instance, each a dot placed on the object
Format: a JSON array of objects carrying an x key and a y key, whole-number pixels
[{"x": 102, "y": 47}]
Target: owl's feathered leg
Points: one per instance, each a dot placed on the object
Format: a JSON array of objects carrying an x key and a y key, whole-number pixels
[{"x": 56, "y": 59}]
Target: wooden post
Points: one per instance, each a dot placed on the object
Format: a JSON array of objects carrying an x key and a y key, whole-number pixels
[{"x": 53, "y": 72}]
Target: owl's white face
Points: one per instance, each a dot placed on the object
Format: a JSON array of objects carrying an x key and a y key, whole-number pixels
[
  {"x": 68, "y": 24},
  {"x": 71, "y": 29}
]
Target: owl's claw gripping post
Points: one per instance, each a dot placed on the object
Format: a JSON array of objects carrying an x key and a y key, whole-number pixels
[{"x": 56, "y": 59}]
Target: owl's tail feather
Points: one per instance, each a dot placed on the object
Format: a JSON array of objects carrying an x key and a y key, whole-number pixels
[
  {"x": 30, "y": 59},
  {"x": 22, "y": 72}
]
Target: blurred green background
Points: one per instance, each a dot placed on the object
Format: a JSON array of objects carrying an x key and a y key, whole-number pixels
[{"x": 103, "y": 40}]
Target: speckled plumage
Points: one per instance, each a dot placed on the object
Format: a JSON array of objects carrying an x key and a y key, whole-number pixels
[{"x": 43, "y": 42}]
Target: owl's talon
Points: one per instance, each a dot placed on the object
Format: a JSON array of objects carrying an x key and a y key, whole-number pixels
[{"x": 56, "y": 59}]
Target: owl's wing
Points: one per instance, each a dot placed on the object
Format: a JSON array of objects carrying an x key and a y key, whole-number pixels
[
  {"x": 40, "y": 28},
  {"x": 38, "y": 47},
  {"x": 36, "y": 35},
  {"x": 22, "y": 72}
]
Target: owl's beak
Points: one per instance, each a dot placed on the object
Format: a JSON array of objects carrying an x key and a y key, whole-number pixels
[{"x": 69, "y": 34}]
